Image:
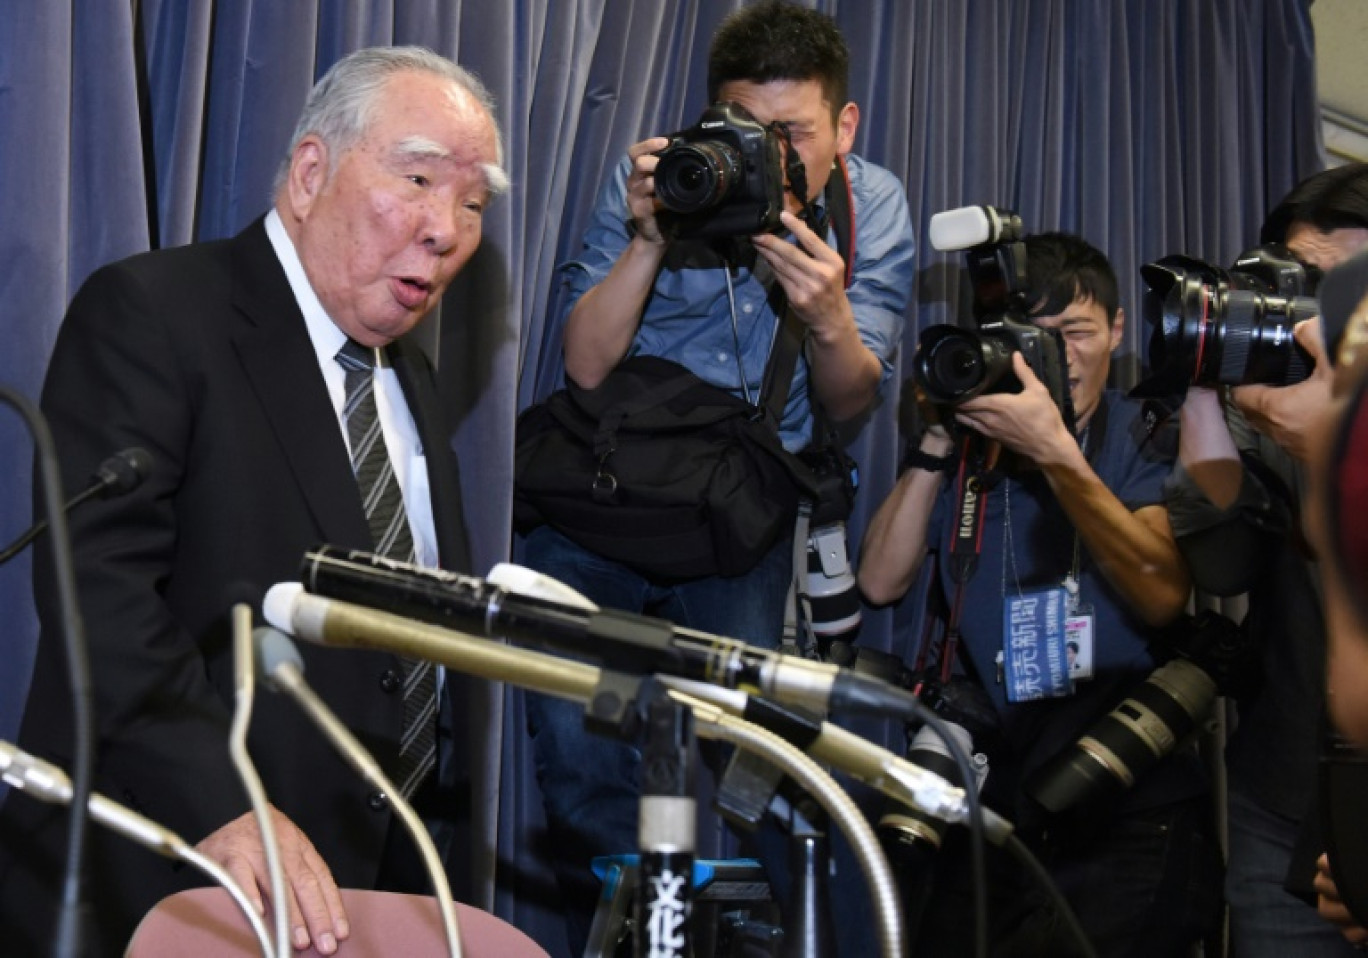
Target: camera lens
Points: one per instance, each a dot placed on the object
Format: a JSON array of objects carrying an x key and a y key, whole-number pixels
[
  {"x": 1258, "y": 342},
  {"x": 1146, "y": 726},
  {"x": 831, "y": 585},
  {"x": 693, "y": 177},
  {"x": 1217, "y": 327},
  {"x": 954, "y": 364}
]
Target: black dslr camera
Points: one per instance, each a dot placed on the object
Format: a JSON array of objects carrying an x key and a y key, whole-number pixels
[
  {"x": 953, "y": 363},
  {"x": 722, "y": 177},
  {"x": 1214, "y": 326}
]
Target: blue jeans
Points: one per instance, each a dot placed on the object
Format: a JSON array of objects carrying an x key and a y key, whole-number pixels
[
  {"x": 1267, "y": 921},
  {"x": 588, "y": 782}
]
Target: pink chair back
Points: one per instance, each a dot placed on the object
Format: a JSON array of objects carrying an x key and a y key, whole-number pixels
[{"x": 206, "y": 923}]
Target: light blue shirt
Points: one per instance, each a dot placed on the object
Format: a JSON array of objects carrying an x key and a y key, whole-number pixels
[{"x": 688, "y": 318}]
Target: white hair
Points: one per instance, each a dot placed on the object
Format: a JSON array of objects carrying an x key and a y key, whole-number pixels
[{"x": 341, "y": 105}]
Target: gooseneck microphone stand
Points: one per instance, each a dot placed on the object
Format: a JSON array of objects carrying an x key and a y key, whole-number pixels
[
  {"x": 336, "y": 623},
  {"x": 74, "y": 916}
]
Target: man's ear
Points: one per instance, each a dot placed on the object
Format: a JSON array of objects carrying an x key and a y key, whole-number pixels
[
  {"x": 307, "y": 176},
  {"x": 1118, "y": 327},
  {"x": 847, "y": 122}
]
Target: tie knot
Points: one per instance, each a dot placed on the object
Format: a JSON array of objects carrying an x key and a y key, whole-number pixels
[{"x": 353, "y": 356}]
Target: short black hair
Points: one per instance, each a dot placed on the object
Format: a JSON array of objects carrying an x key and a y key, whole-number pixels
[
  {"x": 1332, "y": 199},
  {"x": 773, "y": 40},
  {"x": 1062, "y": 268}
]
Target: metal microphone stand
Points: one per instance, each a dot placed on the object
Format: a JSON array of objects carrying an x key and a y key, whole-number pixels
[{"x": 640, "y": 710}]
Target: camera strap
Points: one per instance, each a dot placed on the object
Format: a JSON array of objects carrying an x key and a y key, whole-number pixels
[
  {"x": 973, "y": 479},
  {"x": 840, "y": 217}
]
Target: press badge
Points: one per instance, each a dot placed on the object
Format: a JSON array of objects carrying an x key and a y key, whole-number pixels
[
  {"x": 1035, "y": 658},
  {"x": 1078, "y": 643}
]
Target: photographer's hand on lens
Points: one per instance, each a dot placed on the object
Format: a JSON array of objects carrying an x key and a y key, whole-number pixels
[
  {"x": 845, "y": 374},
  {"x": 1332, "y": 909},
  {"x": 1028, "y": 422},
  {"x": 1286, "y": 414},
  {"x": 315, "y": 904},
  {"x": 641, "y": 197}
]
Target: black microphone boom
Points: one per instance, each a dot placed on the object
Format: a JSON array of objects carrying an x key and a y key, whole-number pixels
[
  {"x": 633, "y": 644},
  {"x": 120, "y": 473}
]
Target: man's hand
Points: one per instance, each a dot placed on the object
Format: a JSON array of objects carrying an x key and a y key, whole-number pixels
[
  {"x": 1029, "y": 423},
  {"x": 599, "y": 330},
  {"x": 1332, "y": 909},
  {"x": 641, "y": 196},
  {"x": 845, "y": 373},
  {"x": 1286, "y": 414},
  {"x": 811, "y": 273},
  {"x": 314, "y": 902}
]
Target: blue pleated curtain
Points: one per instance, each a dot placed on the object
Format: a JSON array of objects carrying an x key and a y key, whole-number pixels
[{"x": 1148, "y": 126}]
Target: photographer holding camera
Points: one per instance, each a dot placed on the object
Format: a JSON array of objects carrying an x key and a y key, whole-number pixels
[
  {"x": 1076, "y": 519},
  {"x": 703, "y": 284},
  {"x": 1236, "y": 504}
]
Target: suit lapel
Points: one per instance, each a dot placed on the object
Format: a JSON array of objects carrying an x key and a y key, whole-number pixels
[{"x": 278, "y": 358}]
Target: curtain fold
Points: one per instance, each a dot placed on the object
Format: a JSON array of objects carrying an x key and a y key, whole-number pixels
[{"x": 1149, "y": 128}]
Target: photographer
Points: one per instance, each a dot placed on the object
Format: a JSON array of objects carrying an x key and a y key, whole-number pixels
[
  {"x": 1081, "y": 511},
  {"x": 1235, "y": 502},
  {"x": 640, "y": 289}
]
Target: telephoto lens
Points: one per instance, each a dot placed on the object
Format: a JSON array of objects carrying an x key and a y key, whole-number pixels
[
  {"x": 911, "y": 838},
  {"x": 831, "y": 586},
  {"x": 1147, "y": 725}
]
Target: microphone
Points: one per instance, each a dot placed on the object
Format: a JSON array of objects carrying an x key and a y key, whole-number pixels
[
  {"x": 74, "y": 915},
  {"x": 120, "y": 473},
  {"x": 624, "y": 642},
  {"x": 282, "y": 669},
  {"x": 338, "y": 624},
  {"x": 971, "y": 226},
  {"x": 48, "y": 783},
  {"x": 244, "y": 692}
]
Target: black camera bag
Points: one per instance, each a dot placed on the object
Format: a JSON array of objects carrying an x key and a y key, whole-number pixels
[
  {"x": 663, "y": 472},
  {"x": 658, "y": 470}
]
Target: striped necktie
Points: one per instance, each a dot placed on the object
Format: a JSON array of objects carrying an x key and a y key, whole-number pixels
[{"x": 392, "y": 538}]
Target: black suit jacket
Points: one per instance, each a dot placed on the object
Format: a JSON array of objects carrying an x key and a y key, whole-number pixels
[{"x": 201, "y": 355}]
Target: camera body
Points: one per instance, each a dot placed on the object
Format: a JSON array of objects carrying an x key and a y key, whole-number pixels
[
  {"x": 722, "y": 177},
  {"x": 954, "y": 363},
  {"x": 1232, "y": 327}
]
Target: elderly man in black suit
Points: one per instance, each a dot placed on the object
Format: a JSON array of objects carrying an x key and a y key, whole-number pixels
[{"x": 245, "y": 367}]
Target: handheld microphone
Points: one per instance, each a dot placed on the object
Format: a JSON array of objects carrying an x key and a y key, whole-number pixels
[
  {"x": 48, "y": 783},
  {"x": 120, "y": 473},
  {"x": 624, "y": 642},
  {"x": 282, "y": 669},
  {"x": 971, "y": 226}
]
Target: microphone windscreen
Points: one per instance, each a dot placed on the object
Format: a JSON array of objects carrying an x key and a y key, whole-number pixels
[
  {"x": 278, "y": 608},
  {"x": 124, "y": 471},
  {"x": 963, "y": 228},
  {"x": 273, "y": 650}
]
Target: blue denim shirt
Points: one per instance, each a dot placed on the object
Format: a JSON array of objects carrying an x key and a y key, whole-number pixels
[{"x": 688, "y": 317}]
